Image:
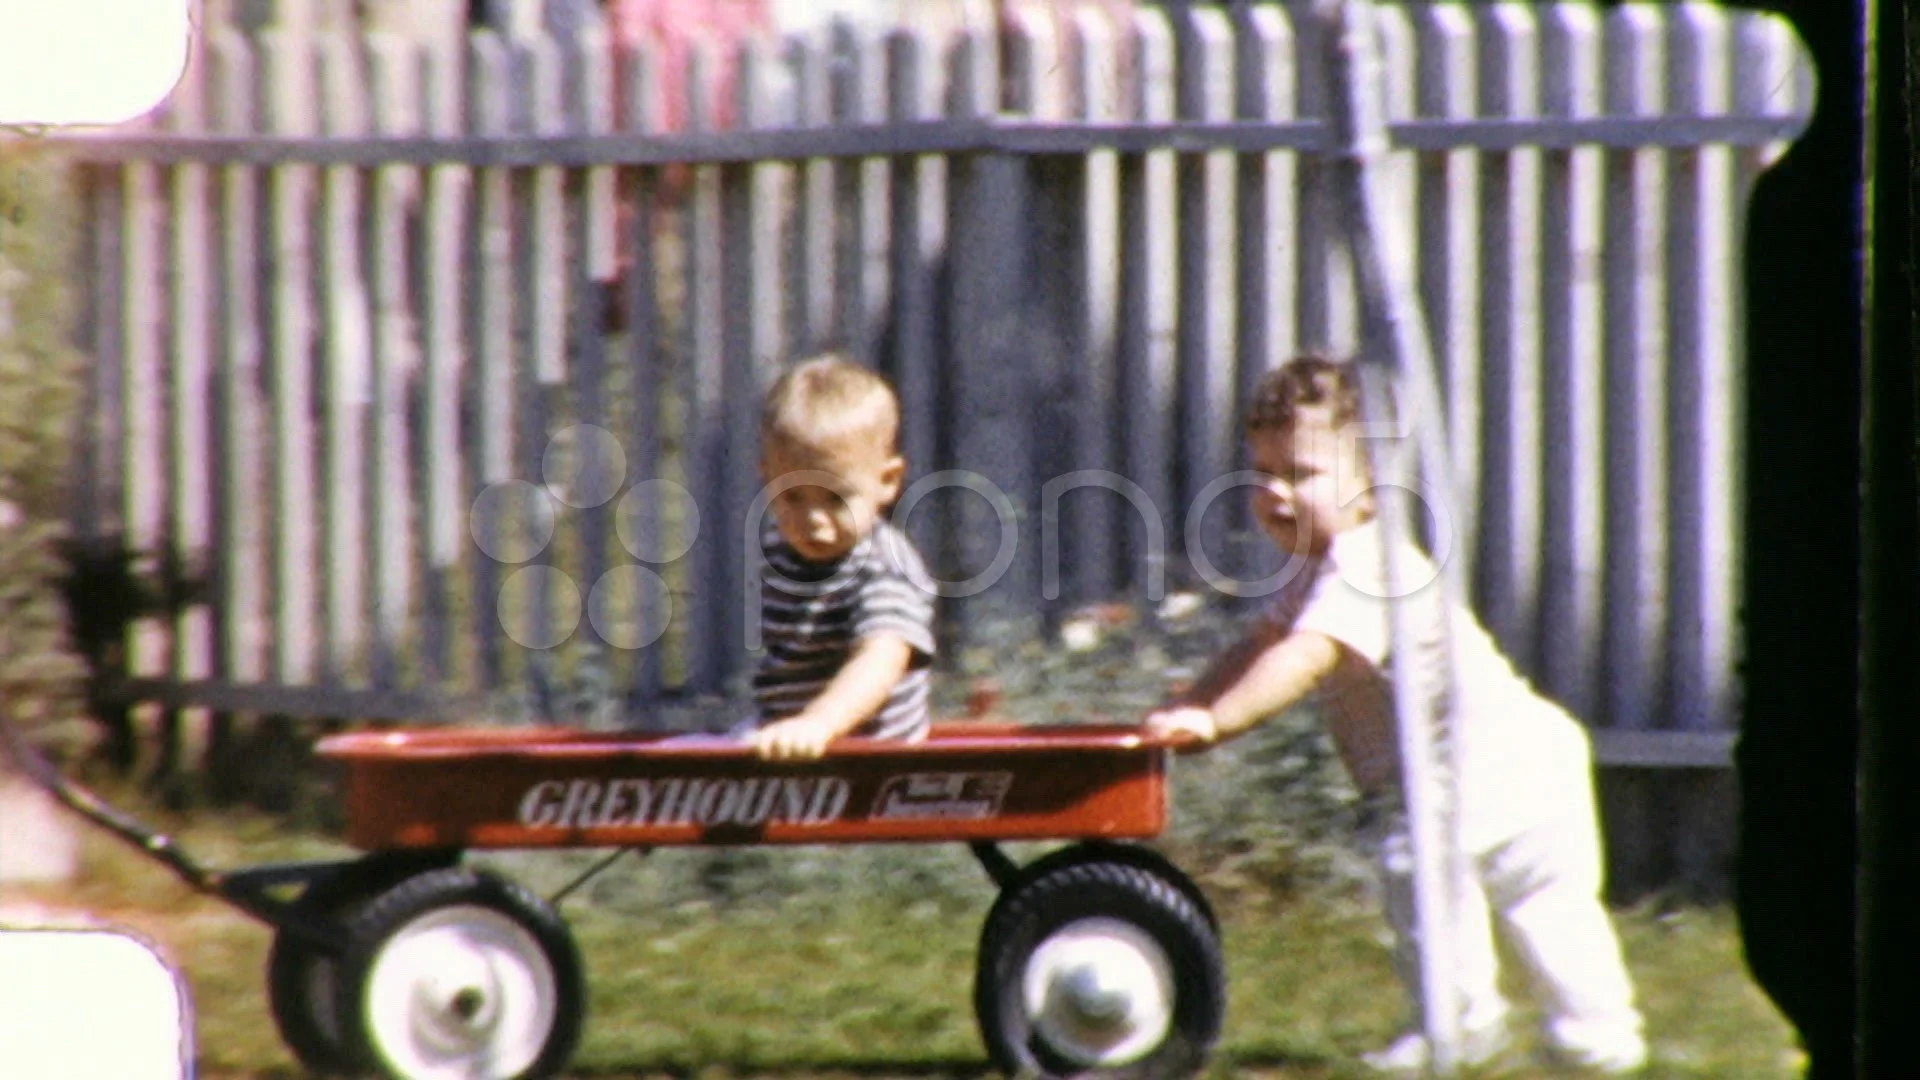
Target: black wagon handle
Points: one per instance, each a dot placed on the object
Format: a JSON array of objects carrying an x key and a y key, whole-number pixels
[{"x": 84, "y": 802}]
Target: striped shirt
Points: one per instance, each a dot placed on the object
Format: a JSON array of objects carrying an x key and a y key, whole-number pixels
[{"x": 813, "y": 614}]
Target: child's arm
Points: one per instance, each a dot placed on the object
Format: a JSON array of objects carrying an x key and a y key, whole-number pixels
[
  {"x": 857, "y": 691},
  {"x": 1263, "y": 674}
]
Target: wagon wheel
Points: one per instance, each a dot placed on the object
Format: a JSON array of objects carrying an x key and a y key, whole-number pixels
[
  {"x": 459, "y": 973},
  {"x": 300, "y": 975},
  {"x": 1102, "y": 968}
]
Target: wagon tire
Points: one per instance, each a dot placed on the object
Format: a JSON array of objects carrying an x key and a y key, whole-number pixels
[
  {"x": 301, "y": 975},
  {"x": 1099, "y": 968},
  {"x": 460, "y": 972},
  {"x": 300, "y": 996}
]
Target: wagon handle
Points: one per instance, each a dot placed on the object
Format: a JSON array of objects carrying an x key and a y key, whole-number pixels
[{"x": 92, "y": 807}]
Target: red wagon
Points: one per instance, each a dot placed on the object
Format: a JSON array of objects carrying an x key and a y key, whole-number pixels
[{"x": 1098, "y": 959}]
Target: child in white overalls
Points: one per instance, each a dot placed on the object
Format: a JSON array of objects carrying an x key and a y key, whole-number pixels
[{"x": 1526, "y": 786}]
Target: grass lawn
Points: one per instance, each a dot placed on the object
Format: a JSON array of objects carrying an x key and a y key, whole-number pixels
[{"x": 863, "y": 985}]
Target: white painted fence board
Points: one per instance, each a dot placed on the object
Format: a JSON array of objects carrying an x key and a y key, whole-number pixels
[
  {"x": 602, "y": 470},
  {"x": 346, "y": 335},
  {"x": 289, "y": 78},
  {"x": 1636, "y": 364},
  {"x": 1573, "y": 415},
  {"x": 755, "y": 202},
  {"x": 1329, "y": 305},
  {"x": 1449, "y": 254},
  {"x": 447, "y": 544},
  {"x": 1150, "y": 297},
  {"x": 1509, "y": 523},
  {"x": 1705, "y": 385},
  {"x": 702, "y": 387},
  {"x": 1089, "y": 521},
  {"x": 646, "y": 376},
  {"x": 864, "y": 191},
  {"x": 241, "y": 521},
  {"x": 992, "y": 378},
  {"x": 814, "y": 289},
  {"x": 919, "y": 239},
  {"x": 495, "y": 316},
  {"x": 190, "y": 366},
  {"x": 1208, "y": 302}
]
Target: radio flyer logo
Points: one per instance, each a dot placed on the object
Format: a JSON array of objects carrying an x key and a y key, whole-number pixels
[
  {"x": 942, "y": 795},
  {"x": 514, "y": 522}
]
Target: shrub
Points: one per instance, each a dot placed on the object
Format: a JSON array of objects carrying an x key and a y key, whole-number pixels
[{"x": 40, "y": 676}]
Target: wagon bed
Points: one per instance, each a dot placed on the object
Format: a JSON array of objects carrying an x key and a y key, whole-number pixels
[{"x": 480, "y": 788}]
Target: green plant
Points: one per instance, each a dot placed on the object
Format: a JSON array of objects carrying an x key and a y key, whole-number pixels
[{"x": 40, "y": 676}]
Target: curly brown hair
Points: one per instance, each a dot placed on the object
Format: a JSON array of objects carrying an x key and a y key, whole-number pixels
[{"x": 1308, "y": 381}]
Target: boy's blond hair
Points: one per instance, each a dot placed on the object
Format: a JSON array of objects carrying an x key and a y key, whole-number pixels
[{"x": 828, "y": 400}]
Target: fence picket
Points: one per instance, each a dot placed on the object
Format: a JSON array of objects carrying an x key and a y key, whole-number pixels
[
  {"x": 864, "y": 191},
  {"x": 447, "y": 199},
  {"x": 1208, "y": 308},
  {"x": 1636, "y": 433},
  {"x": 814, "y": 268},
  {"x": 991, "y": 373},
  {"x": 1704, "y": 385},
  {"x": 1329, "y": 303},
  {"x": 145, "y": 405},
  {"x": 918, "y": 237},
  {"x": 1704, "y": 431},
  {"x": 1572, "y": 601},
  {"x": 189, "y": 364},
  {"x": 755, "y": 203},
  {"x": 1636, "y": 367},
  {"x": 703, "y": 389},
  {"x": 1400, "y": 98},
  {"x": 1036, "y": 58},
  {"x": 289, "y": 81},
  {"x": 346, "y": 337},
  {"x": 1449, "y": 255},
  {"x": 1089, "y": 206},
  {"x": 393, "y": 69},
  {"x": 1150, "y": 290},
  {"x": 240, "y": 511},
  {"x": 1509, "y": 525},
  {"x": 495, "y": 318},
  {"x": 551, "y": 599},
  {"x": 642, "y": 523},
  {"x": 598, "y": 470},
  {"x": 1269, "y": 257}
]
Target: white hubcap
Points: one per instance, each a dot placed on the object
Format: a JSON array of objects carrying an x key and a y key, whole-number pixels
[
  {"x": 462, "y": 991},
  {"x": 1100, "y": 992}
]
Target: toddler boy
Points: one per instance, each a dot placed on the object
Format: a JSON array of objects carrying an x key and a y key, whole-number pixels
[
  {"x": 1528, "y": 821},
  {"x": 846, "y": 605}
]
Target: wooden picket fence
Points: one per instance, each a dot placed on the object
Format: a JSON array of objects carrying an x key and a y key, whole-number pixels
[{"x": 347, "y": 290}]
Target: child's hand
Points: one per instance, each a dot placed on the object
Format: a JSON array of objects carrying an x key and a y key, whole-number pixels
[
  {"x": 795, "y": 738},
  {"x": 1184, "y": 723}
]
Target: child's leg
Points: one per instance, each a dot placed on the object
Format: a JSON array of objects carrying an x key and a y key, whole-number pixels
[
  {"x": 1476, "y": 965},
  {"x": 1544, "y": 886}
]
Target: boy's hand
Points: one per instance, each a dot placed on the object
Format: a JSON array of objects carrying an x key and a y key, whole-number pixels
[
  {"x": 795, "y": 738},
  {"x": 1188, "y": 722}
]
